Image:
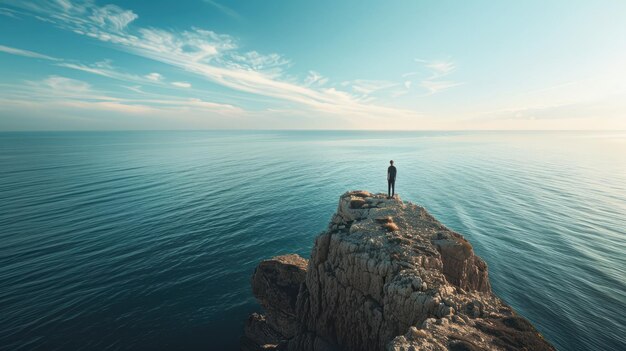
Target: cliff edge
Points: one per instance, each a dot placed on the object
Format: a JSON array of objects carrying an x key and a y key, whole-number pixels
[{"x": 385, "y": 275}]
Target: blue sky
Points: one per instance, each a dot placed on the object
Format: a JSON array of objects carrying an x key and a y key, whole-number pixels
[{"x": 202, "y": 64}]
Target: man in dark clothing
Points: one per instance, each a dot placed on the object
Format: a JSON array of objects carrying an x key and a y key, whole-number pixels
[{"x": 391, "y": 179}]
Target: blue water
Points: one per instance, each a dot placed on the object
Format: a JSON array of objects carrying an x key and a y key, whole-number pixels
[{"x": 147, "y": 240}]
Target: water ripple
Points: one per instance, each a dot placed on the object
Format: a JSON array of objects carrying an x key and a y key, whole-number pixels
[{"x": 147, "y": 240}]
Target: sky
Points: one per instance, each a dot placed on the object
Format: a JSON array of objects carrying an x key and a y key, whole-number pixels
[{"x": 400, "y": 65}]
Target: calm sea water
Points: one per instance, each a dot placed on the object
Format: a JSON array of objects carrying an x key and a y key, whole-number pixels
[{"x": 147, "y": 240}]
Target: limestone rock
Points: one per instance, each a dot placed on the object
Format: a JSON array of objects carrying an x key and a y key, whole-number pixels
[
  {"x": 276, "y": 283},
  {"x": 368, "y": 285}
]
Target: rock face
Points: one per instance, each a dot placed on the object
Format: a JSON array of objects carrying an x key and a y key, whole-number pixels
[{"x": 384, "y": 276}]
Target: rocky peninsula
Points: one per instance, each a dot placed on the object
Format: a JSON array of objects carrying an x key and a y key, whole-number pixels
[{"x": 385, "y": 275}]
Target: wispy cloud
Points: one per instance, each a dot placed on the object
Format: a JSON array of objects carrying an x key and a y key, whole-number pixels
[
  {"x": 434, "y": 87},
  {"x": 224, "y": 9},
  {"x": 436, "y": 70},
  {"x": 181, "y": 84},
  {"x": 106, "y": 69},
  {"x": 57, "y": 88},
  {"x": 314, "y": 78},
  {"x": 108, "y": 16},
  {"x": 367, "y": 87},
  {"x": 68, "y": 85},
  {"x": 67, "y": 92},
  {"x": 212, "y": 56},
  {"x": 155, "y": 77},
  {"x": 135, "y": 88},
  {"x": 65, "y": 4},
  {"x": 25, "y": 53},
  {"x": 8, "y": 12}
]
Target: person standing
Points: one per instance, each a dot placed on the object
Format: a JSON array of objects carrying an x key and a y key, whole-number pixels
[{"x": 391, "y": 179}]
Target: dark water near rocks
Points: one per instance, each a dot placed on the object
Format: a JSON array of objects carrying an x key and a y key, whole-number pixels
[{"x": 147, "y": 240}]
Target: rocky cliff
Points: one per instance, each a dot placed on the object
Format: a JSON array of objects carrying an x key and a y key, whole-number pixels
[{"x": 385, "y": 275}]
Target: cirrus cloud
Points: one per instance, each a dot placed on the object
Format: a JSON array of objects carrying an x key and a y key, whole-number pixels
[
  {"x": 181, "y": 84},
  {"x": 214, "y": 57}
]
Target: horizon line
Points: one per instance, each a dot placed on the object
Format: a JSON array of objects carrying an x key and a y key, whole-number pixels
[{"x": 305, "y": 130}]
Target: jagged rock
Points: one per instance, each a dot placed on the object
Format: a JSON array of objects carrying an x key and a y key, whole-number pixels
[
  {"x": 276, "y": 283},
  {"x": 259, "y": 332},
  {"x": 418, "y": 286}
]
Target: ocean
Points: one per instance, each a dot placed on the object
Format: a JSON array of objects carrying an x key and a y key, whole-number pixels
[{"x": 148, "y": 240}]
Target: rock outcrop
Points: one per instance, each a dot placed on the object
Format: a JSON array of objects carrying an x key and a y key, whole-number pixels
[{"x": 385, "y": 275}]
